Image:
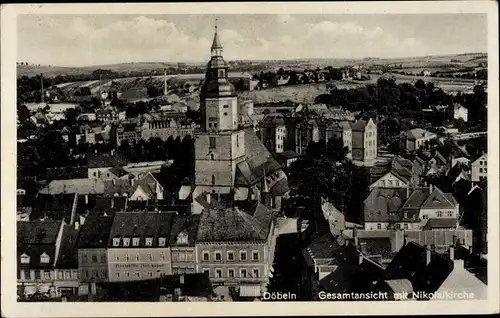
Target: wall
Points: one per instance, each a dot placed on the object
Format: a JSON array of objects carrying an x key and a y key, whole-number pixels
[
  {"x": 432, "y": 214},
  {"x": 373, "y": 226},
  {"x": 225, "y": 265},
  {"x": 390, "y": 181},
  {"x": 479, "y": 169},
  {"x": 183, "y": 259},
  {"x": 121, "y": 269},
  {"x": 221, "y": 113},
  {"x": 95, "y": 265},
  {"x": 101, "y": 173}
]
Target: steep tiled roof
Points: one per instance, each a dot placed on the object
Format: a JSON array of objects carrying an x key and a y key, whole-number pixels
[
  {"x": 416, "y": 198},
  {"x": 377, "y": 246},
  {"x": 438, "y": 200},
  {"x": 418, "y": 133},
  {"x": 35, "y": 238},
  {"x": 321, "y": 247},
  {"x": 222, "y": 222},
  {"x": 280, "y": 188},
  {"x": 187, "y": 224},
  {"x": 68, "y": 251},
  {"x": 79, "y": 186},
  {"x": 95, "y": 232},
  {"x": 383, "y": 204},
  {"x": 55, "y": 207},
  {"x": 102, "y": 160},
  {"x": 142, "y": 225}
]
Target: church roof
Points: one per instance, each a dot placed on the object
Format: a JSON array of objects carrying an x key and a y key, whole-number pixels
[
  {"x": 258, "y": 163},
  {"x": 216, "y": 42}
]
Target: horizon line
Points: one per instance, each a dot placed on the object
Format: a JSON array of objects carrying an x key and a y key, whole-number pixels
[{"x": 261, "y": 60}]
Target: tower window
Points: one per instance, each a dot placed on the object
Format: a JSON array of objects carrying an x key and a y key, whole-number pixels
[
  {"x": 221, "y": 73},
  {"x": 212, "y": 142},
  {"x": 225, "y": 114}
]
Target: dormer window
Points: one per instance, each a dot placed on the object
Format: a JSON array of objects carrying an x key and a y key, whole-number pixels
[
  {"x": 161, "y": 241},
  {"x": 182, "y": 238},
  {"x": 149, "y": 241},
  {"x": 135, "y": 241},
  {"x": 116, "y": 241},
  {"x": 126, "y": 241},
  {"x": 25, "y": 259},
  {"x": 44, "y": 258}
]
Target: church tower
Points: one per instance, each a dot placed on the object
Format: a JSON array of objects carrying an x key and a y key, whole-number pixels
[{"x": 219, "y": 144}]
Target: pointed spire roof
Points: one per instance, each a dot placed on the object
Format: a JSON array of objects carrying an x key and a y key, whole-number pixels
[{"x": 216, "y": 43}]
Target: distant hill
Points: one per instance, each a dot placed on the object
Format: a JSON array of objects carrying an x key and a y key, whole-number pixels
[{"x": 426, "y": 61}]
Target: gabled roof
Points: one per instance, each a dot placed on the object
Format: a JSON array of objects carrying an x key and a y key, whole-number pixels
[
  {"x": 55, "y": 207},
  {"x": 68, "y": 251},
  {"x": 95, "y": 232},
  {"x": 224, "y": 222},
  {"x": 141, "y": 225},
  {"x": 418, "y": 133},
  {"x": 383, "y": 204},
  {"x": 35, "y": 238},
  {"x": 438, "y": 200},
  {"x": 103, "y": 160},
  {"x": 482, "y": 157},
  {"x": 79, "y": 186}
]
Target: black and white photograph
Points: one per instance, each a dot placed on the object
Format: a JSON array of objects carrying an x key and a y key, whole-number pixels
[{"x": 271, "y": 156}]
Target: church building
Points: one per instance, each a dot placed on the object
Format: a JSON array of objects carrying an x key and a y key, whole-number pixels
[{"x": 237, "y": 190}]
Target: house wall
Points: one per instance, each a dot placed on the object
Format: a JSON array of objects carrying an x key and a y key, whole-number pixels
[
  {"x": 93, "y": 262},
  {"x": 280, "y": 139},
  {"x": 101, "y": 173},
  {"x": 426, "y": 214},
  {"x": 224, "y": 264},
  {"x": 139, "y": 195},
  {"x": 138, "y": 266},
  {"x": 479, "y": 169},
  {"x": 184, "y": 259},
  {"x": 389, "y": 181}
]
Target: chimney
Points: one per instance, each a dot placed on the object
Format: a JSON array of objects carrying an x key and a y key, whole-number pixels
[
  {"x": 114, "y": 181},
  {"x": 86, "y": 199},
  {"x": 452, "y": 253},
  {"x": 112, "y": 152},
  {"x": 209, "y": 198},
  {"x": 113, "y": 202},
  {"x": 363, "y": 248},
  {"x": 427, "y": 256},
  {"x": 77, "y": 225},
  {"x": 431, "y": 188}
]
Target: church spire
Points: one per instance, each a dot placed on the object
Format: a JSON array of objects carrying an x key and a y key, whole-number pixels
[{"x": 216, "y": 45}]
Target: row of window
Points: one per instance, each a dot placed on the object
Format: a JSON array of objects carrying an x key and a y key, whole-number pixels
[
  {"x": 230, "y": 256},
  {"x": 483, "y": 170},
  {"x": 137, "y": 274},
  {"x": 44, "y": 259},
  {"x": 441, "y": 214},
  {"x": 390, "y": 183},
  {"x": 95, "y": 274},
  {"x": 149, "y": 257},
  {"x": 243, "y": 273},
  {"x": 46, "y": 275},
  {"x": 136, "y": 241}
]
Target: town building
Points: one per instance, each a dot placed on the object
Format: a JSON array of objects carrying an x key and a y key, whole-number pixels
[
  {"x": 127, "y": 132},
  {"x": 92, "y": 250},
  {"x": 138, "y": 245},
  {"x": 341, "y": 130},
  {"x": 105, "y": 166},
  {"x": 166, "y": 124},
  {"x": 416, "y": 138},
  {"x": 479, "y": 168},
  {"x": 364, "y": 142},
  {"x": 107, "y": 114},
  {"x": 272, "y": 132},
  {"x": 396, "y": 172},
  {"x": 182, "y": 244}
]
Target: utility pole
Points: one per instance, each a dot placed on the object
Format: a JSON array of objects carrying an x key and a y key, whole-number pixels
[{"x": 41, "y": 88}]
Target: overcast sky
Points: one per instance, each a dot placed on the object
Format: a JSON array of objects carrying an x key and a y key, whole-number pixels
[{"x": 79, "y": 40}]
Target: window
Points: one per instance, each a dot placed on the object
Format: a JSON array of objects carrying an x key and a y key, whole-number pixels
[
  {"x": 218, "y": 273},
  {"x": 150, "y": 274},
  {"x": 116, "y": 241},
  {"x": 218, "y": 256},
  {"x": 255, "y": 272},
  {"x": 212, "y": 142},
  {"x": 255, "y": 255},
  {"x": 103, "y": 258},
  {"x": 127, "y": 258},
  {"x": 225, "y": 113},
  {"x": 406, "y": 226},
  {"x": 104, "y": 274},
  {"x": 481, "y": 170},
  {"x": 425, "y": 216},
  {"x": 230, "y": 256},
  {"x": 46, "y": 275},
  {"x": 221, "y": 73},
  {"x": 135, "y": 241},
  {"x": 60, "y": 275},
  {"x": 161, "y": 241},
  {"x": 162, "y": 256},
  {"x": 138, "y": 274},
  {"x": 137, "y": 257},
  {"x": 25, "y": 259},
  {"x": 379, "y": 226},
  {"x": 243, "y": 272},
  {"x": 67, "y": 274},
  {"x": 212, "y": 157},
  {"x": 450, "y": 213},
  {"x": 27, "y": 274},
  {"x": 149, "y": 241},
  {"x": 230, "y": 273},
  {"x": 44, "y": 258},
  {"x": 439, "y": 214},
  {"x": 126, "y": 240},
  {"x": 94, "y": 258},
  {"x": 237, "y": 141},
  {"x": 149, "y": 257},
  {"x": 226, "y": 106},
  {"x": 213, "y": 179},
  {"x": 206, "y": 271},
  {"x": 209, "y": 125},
  {"x": 117, "y": 275},
  {"x": 243, "y": 256},
  {"x": 117, "y": 258},
  {"x": 206, "y": 256}
]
